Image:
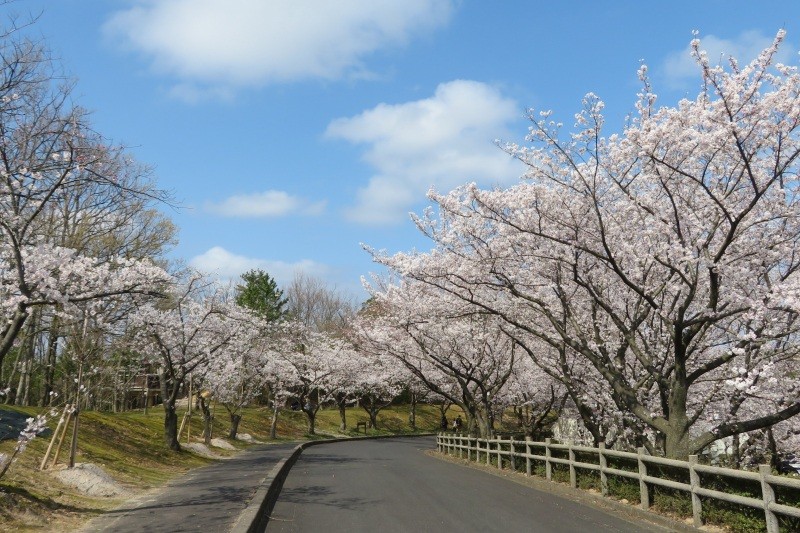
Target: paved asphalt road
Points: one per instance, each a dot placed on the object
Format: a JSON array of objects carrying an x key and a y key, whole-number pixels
[
  {"x": 208, "y": 499},
  {"x": 392, "y": 485}
]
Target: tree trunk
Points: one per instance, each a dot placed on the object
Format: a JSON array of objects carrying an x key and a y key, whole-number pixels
[
  {"x": 19, "y": 397},
  {"x": 484, "y": 424},
  {"x": 170, "y": 414},
  {"x": 26, "y": 395},
  {"x": 50, "y": 363},
  {"x": 273, "y": 427},
  {"x": 412, "y": 415},
  {"x": 677, "y": 442},
  {"x": 773, "y": 448},
  {"x": 11, "y": 330},
  {"x": 342, "y": 417},
  {"x": 205, "y": 408},
  {"x": 310, "y": 409},
  {"x": 373, "y": 417},
  {"x": 11, "y": 398},
  {"x": 235, "y": 419},
  {"x": 171, "y": 426},
  {"x": 26, "y": 367},
  {"x": 115, "y": 394},
  {"x": 312, "y": 417}
]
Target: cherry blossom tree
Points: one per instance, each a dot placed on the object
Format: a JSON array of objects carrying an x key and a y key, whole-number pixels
[
  {"x": 239, "y": 372},
  {"x": 309, "y": 364},
  {"x": 535, "y": 404},
  {"x": 343, "y": 382},
  {"x": 379, "y": 382},
  {"x": 457, "y": 352},
  {"x": 55, "y": 170},
  {"x": 181, "y": 336},
  {"x": 664, "y": 258}
]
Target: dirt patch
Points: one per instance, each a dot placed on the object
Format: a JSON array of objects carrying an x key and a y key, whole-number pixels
[
  {"x": 91, "y": 480},
  {"x": 248, "y": 438},
  {"x": 222, "y": 443},
  {"x": 201, "y": 449}
]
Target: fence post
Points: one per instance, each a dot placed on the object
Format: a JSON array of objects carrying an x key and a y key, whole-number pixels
[
  {"x": 603, "y": 466},
  {"x": 528, "y": 456},
  {"x": 694, "y": 482},
  {"x": 499, "y": 449},
  {"x": 573, "y": 478},
  {"x": 439, "y": 441},
  {"x": 513, "y": 450},
  {"x": 460, "y": 446},
  {"x": 488, "y": 447},
  {"x": 768, "y": 495},
  {"x": 548, "y": 467},
  {"x": 644, "y": 492}
]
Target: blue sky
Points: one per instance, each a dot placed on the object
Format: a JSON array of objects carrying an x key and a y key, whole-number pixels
[{"x": 292, "y": 131}]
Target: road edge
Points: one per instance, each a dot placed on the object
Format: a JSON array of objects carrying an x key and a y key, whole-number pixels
[
  {"x": 256, "y": 515},
  {"x": 609, "y": 505}
]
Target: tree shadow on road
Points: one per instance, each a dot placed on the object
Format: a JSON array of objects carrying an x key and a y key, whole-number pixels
[{"x": 320, "y": 495}]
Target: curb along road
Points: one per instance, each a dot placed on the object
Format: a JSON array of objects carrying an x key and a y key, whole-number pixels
[{"x": 256, "y": 515}]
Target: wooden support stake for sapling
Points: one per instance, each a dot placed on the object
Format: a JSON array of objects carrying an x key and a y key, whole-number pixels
[
  {"x": 183, "y": 423},
  {"x": 55, "y": 436},
  {"x": 61, "y": 438}
]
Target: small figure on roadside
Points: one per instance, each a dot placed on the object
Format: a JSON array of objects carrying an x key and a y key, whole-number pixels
[
  {"x": 443, "y": 424},
  {"x": 457, "y": 423}
]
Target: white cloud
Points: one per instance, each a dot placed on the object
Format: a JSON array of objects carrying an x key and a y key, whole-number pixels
[
  {"x": 265, "y": 204},
  {"x": 440, "y": 142},
  {"x": 681, "y": 67},
  {"x": 220, "y": 262},
  {"x": 252, "y": 42}
]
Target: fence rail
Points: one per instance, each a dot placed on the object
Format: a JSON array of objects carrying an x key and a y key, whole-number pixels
[{"x": 516, "y": 451}]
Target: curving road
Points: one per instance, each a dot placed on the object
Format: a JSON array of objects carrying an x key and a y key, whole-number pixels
[{"x": 392, "y": 485}]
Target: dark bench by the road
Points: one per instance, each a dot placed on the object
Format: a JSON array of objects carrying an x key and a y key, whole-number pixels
[{"x": 207, "y": 499}]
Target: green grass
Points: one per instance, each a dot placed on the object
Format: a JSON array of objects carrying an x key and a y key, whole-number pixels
[{"x": 130, "y": 448}]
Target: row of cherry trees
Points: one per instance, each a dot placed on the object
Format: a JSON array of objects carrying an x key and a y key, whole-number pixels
[
  {"x": 238, "y": 351},
  {"x": 651, "y": 277}
]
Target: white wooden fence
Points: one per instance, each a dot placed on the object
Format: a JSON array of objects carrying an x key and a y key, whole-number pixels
[{"x": 517, "y": 451}]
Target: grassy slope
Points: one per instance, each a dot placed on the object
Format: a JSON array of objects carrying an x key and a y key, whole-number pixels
[{"x": 129, "y": 447}]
